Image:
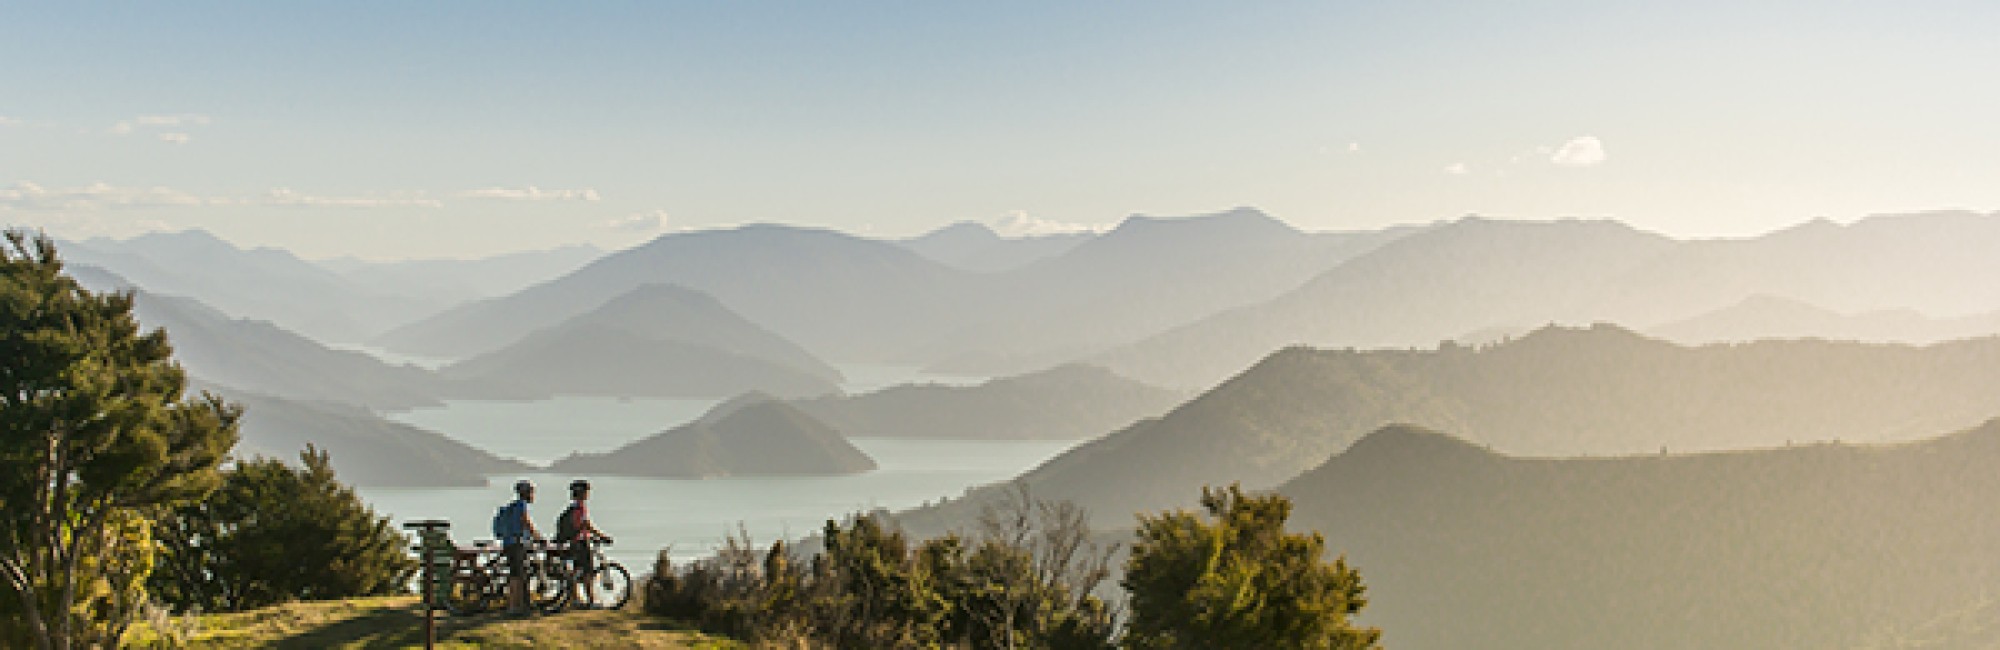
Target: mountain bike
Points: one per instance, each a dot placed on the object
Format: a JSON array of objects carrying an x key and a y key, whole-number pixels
[
  {"x": 479, "y": 577},
  {"x": 612, "y": 584}
]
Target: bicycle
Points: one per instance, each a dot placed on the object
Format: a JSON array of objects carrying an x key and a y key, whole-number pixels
[
  {"x": 480, "y": 572},
  {"x": 612, "y": 583}
]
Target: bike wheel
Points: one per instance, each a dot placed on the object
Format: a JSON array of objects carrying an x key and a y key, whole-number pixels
[
  {"x": 469, "y": 595},
  {"x": 613, "y": 586},
  {"x": 548, "y": 585}
]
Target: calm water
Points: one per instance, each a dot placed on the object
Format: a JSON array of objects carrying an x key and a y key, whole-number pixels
[
  {"x": 690, "y": 516},
  {"x": 542, "y": 431}
]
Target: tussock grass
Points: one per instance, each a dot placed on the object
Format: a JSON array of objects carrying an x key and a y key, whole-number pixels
[{"x": 397, "y": 622}]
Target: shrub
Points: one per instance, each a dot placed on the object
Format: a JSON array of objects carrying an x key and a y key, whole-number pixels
[
  {"x": 1238, "y": 580},
  {"x": 275, "y": 533},
  {"x": 1024, "y": 582}
]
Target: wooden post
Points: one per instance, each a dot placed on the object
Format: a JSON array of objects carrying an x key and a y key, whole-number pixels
[{"x": 433, "y": 546}]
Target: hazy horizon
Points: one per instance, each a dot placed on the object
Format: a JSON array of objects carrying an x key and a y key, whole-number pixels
[{"x": 388, "y": 132}]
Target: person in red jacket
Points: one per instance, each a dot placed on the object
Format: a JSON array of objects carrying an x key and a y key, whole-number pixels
[{"x": 575, "y": 528}]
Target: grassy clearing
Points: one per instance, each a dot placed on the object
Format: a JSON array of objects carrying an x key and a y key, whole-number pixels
[{"x": 397, "y": 622}]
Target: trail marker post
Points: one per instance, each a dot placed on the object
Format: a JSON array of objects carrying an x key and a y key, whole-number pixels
[{"x": 434, "y": 550}]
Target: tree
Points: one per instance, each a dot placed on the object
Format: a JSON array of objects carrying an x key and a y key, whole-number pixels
[
  {"x": 93, "y": 432},
  {"x": 275, "y": 533},
  {"x": 1027, "y": 580},
  {"x": 875, "y": 594},
  {"x": 1239, "y": 581}
]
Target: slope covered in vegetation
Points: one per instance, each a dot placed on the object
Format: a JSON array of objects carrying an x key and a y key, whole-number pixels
[{"x": 1814, "y": 546}]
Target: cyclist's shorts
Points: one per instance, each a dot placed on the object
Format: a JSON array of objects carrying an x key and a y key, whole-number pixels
[
  {"x": 579, "y": 553},
  {"x": 517, "y": 559}
]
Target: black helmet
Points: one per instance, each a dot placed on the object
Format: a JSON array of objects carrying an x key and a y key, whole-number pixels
[
  {"x": 523, "y": 486},
  {"x": 579, "y": 485}
]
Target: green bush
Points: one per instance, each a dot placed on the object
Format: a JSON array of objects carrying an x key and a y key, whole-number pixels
[
  {"x": 1024, "y": 582},
  {"x": 1238, "y": 580},
  {"x": 275, "y": 533}
]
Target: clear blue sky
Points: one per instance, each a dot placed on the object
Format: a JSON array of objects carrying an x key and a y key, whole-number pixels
[{"x": 394, "y": 130}]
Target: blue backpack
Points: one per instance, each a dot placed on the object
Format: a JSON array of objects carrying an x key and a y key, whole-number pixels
[{"x": 507, "y": 522}]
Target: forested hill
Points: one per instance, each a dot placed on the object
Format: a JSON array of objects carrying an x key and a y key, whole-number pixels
[
  {"x": 1554, "y": 392},
  {"x": 1815, "y": 546}
]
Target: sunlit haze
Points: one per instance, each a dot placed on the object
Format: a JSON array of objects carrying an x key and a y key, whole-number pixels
[{"x": 390, "y": 130}]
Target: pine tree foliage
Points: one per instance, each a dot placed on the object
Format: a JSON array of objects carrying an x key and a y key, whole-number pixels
[
  {"x": 93, "y": 432},
  {"x": 1237, "y": 580},
  {"x": 275, "y": 533}
]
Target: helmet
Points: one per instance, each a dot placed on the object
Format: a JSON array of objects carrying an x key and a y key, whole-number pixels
[
  {"x": 524, "y": 486},
  {"x": 579, "y": 485}
]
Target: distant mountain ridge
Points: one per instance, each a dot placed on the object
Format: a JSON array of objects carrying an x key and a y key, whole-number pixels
[
  {"x": 365, "y": 449},
  {"x": 857, "y": 300},
  {"x": 1555, "y": 392},
  {"x": 1475, "y": 274},
  {"x": 1766, "y": 317},
  {"x": 268, "y": 359},
  {"x": 1064, "y": 403},
  {"x": 1430, "y": 286},
  {"x": 973, "y": 246},
  {"x": 445, "y": 282},
  {"x": 261, "y": 283},
  {"x": 838, "y": 295},
  {"x": 1779, "y": 548},
  {"x": 658, "y": 341},
  {"x": 261, "y": 357},
  {"x": 1143, "y": 277}
]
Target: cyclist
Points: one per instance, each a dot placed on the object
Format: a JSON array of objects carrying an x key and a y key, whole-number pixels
[
  {"x": 515, "y": 529},
  {"x": 575, "y": 528}
]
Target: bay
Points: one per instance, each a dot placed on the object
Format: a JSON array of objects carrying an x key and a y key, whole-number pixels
[{"x": 690, "y": 517}]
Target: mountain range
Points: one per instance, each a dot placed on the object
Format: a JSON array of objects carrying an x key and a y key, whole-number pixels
[
  {"x": 1556, "y": 392},
  {"x": 262, "y": 357},
  {"x": 1769, "y": 317},
  {"x": 851, "y": 299},
  {"x": 452, "y": 281},
  {"x": 265, "y": 284},
  {"x": 364, "y": 448},
  {"x": 838, "y": 295},
  {"x": 658, "y": 341},
  {"x": 1472, "y": 274},
  {"x": 974, "y": 246},
  {"x": 1069, "y": 402}
]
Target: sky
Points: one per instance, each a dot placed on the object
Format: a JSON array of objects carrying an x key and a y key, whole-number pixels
[{"x": 393, "y": 130}]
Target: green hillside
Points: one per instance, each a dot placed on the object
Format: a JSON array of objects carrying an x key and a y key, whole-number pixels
[
  {"x": 1067, "y": 402},
  {"x": 752, "y": 435},
  {"x": 1815, "y": 546}
]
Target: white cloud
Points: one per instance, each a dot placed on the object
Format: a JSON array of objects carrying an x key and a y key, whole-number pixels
[
  {"x": 185, "y": 119},
  {"x": 1019, "y": 224},
  {"x": 25, "y": 195},
  {"x": 285, "y": 196},
  {"x": 127, "y": 127},
  {"x": 174, "y": 138},
  {"x": 1457, "y": 169},
  {"x": 1353, "y": 147},
  {"x": 11, "y": 121},
  {"x": 530, "y": 193},
  {"x": 1582, "y": 151},
  {"x": 645, "y": 222}
]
